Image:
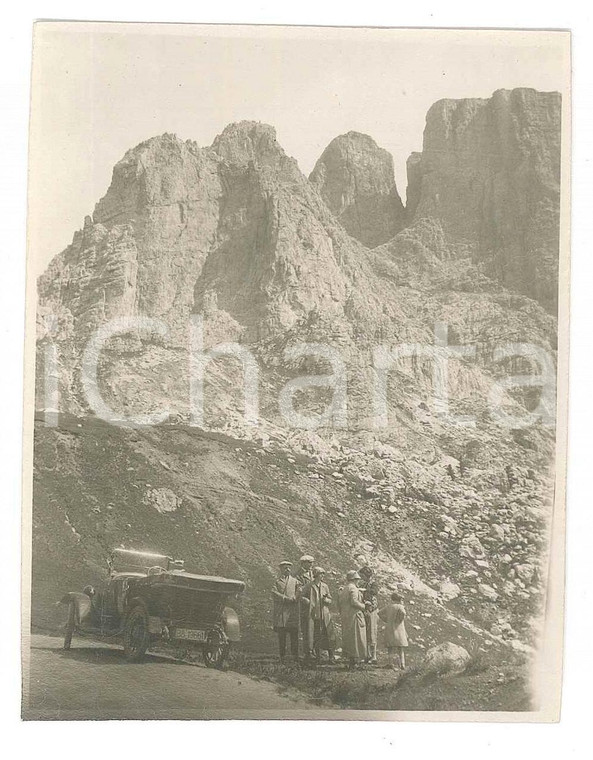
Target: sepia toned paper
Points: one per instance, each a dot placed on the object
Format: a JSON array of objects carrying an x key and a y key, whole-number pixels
[{"x": 296, "y": 292}]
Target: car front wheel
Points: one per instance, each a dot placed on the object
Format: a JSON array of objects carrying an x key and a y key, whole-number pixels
[{"x": 136, "y": 636}]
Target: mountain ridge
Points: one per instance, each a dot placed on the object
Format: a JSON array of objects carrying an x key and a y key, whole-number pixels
[{"x": 270, "y": 259}]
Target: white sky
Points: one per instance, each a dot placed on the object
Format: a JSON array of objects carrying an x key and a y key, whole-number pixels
[{"x": 100, "y": 89}]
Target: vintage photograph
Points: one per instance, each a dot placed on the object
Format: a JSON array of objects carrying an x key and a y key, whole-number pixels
[{"x": 295, "y": 410}]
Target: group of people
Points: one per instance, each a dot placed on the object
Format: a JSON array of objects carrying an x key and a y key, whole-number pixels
[{"x": 301, "y": 609}]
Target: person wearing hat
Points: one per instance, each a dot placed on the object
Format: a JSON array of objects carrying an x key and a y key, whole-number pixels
[
  {"x": 285, "y": 596},
  {"x": 370, "y": 597},
  {"x": 352, "y": 607},
  {"x": 319, "y": 602},
  {"x": 305, "y": 579},
  {"x": 396, "y": 638}
]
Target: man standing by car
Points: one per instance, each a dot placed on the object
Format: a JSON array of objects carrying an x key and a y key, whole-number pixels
[
  {"x": 352, "y": 607},
  {"x": 305, "y": 578},
  {"x": 285, "y": 595}
]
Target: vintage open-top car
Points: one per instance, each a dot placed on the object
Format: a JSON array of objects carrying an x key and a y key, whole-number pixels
[{"x": 149, "y": 598}]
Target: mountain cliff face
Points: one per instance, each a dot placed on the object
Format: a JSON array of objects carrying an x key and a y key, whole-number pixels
[
  {"x": 489, "y": 171},
  {"x": 278, "y": 254},
  {"x": 236, "y": 233},
  {"x": 354, "y": 176},
  {"x": 146, "y": 241}
]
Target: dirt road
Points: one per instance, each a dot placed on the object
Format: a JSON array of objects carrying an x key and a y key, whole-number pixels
[{"x": 94, "y": 681}]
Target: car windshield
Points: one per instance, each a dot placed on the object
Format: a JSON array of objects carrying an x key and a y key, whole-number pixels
[{"x": 127, "y": 561}]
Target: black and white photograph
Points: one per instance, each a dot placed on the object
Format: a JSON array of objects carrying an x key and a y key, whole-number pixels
[{"x": 296, "y": 373}]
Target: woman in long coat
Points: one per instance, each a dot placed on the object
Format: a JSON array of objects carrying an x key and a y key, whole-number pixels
[{"x": 354, "y": 640}]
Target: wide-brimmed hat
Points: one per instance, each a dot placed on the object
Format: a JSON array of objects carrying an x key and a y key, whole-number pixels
[
  {"x": 352, "y": 575},
  {"x": 285, "y": 562},
  {"x": 306, "y": 558},
  {"x": 318, "y": 570}
]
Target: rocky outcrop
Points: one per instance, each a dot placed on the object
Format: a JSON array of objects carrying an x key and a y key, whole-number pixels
[
  {"x": 354, "y": 176},
  {"x": 445, "y": 659},
  {"x": 489, "y": 172}
]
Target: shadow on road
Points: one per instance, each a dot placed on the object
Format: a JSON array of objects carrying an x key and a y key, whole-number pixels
[{"x": 107, "y": 656}]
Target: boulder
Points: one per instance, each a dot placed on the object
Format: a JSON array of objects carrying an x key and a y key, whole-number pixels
[
  {"x": 488, "y": 592},
  {"x": 449, "y": 524},
  {"x": 162, "y": 499},
  {"x": 445, "y": 659},
  {"x": 471, "y": 547},
  {"x": 525, "y": 572},
  {"x": 449, "y": 590}
]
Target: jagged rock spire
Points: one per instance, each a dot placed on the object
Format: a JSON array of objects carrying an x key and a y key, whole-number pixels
[{"x": 355, "y": 178}]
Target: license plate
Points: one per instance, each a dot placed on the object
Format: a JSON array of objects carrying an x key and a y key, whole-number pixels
[{"x": 190, "y": 634}]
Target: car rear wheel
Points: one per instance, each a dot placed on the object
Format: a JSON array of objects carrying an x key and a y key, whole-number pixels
[
  {"x": 136, "y": 636},
  {"x": 216, "y": 650},
  {"x": 70, "y": 625}
]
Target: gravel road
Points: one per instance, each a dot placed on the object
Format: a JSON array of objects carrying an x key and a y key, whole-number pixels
[{"x": 93, "y": 680}]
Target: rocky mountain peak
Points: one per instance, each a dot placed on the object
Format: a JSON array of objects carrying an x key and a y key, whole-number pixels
[
  {"x": 355, "y": 178},
  {"x": 248, "y": 141},
  {"x": 159, "y": 171},
  {"x": 159, "y": 144}
]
